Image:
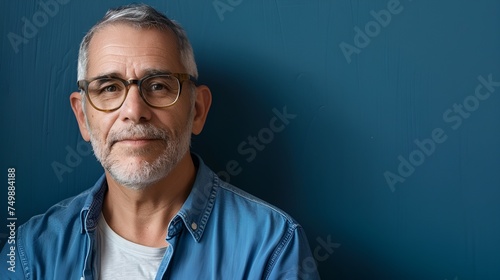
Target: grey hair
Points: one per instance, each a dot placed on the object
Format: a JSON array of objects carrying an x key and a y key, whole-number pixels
[{"x": 139, "y": 16}]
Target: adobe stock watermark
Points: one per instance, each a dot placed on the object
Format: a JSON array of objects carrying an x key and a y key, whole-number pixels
[
  {"x": 257, "y": 143},
  {"x": 363, "y": 37},
  {"x": 72, "y": 159},
  {"x": 323, "y": 250},
  {"x": 454, "y": 118},
  {"x": 250, "y": 147},
  {"x": 223, "y": 6},
  {"x": 247, "y": 148},
  {"x": 30, "y": 27}
]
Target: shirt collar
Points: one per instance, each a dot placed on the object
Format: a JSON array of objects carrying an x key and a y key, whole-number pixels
[
  {"x": 89, "y": 215},
  {"x": 196, "y": 210}
]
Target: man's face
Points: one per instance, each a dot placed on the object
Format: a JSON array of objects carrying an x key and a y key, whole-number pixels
[{"x": 137, "y": 144}]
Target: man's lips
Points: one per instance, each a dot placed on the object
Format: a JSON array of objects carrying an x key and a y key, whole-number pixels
[{"x": 135, "y": 141}]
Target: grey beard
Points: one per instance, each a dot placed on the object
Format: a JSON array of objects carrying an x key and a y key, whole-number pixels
[{"x": 140, "y": 176}]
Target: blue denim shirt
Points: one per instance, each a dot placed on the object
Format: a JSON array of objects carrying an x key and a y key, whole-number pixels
[{"x": 221, "y": 232}]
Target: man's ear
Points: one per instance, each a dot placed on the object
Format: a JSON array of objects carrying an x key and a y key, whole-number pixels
[
  {"x": 201, "y": 108},
  {"x": 76, "y": 100}
]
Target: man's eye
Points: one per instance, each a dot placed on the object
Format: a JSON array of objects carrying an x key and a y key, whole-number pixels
[
  {"x": 155, "y": 87},
  {"x": 105, "y": 87},
  {"x": 111, "y": 88}
]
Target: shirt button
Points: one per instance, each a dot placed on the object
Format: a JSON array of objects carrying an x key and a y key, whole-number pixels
[{"x": 194, "y": 226}]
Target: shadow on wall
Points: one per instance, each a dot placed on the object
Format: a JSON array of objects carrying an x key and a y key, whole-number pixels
[{"x": 257, "y": 134}]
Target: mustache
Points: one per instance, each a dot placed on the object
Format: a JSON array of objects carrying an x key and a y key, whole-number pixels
[{"x": 140, "y": 131}]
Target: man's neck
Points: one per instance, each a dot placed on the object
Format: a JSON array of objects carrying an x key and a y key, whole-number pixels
[{"x": 143, "y": 216}]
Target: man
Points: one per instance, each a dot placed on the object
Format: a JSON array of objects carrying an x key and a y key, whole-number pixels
[{"x": 158, "y": 212}]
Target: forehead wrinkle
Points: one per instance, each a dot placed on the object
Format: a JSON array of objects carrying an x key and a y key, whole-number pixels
[
  {"x": 114, "y": 63},
  {"x": 131, "y": 53},
  {"x": 130, "y": 71}
]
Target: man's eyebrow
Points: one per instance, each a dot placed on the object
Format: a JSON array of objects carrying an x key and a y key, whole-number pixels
[
  {"x": 106, "y": 75},
  {"x": 154, "y": 71}
]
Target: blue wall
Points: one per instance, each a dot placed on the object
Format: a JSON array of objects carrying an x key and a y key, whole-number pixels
[{"x": 389, "y": 153}]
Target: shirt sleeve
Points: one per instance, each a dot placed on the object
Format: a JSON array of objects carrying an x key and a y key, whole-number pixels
[
  {"x": 293, "y": 260},
  {"x": 11, "y": 267}
]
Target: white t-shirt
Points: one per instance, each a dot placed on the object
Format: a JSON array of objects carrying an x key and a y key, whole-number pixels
[{"x": 123, "y": 259}]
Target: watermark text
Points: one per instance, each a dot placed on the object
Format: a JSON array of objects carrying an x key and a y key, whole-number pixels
[
  {"x": 454, "y": 118},
  {"x": 30, "y": 27},
  {"x": 11, "y": 218}
]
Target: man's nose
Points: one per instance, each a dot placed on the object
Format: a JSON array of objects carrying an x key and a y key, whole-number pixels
[{"x": 134, "y": 108}]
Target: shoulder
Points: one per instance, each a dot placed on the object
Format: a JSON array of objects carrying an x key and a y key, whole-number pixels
[
  {"x": 54, "y": 237},
  {"x": 265, "y": 228},
  {"x": 65, "y": 213},
  {"x": 211, "y": 195},
  {"x": 250, "y": 207},
  {"x": 56, "y": 217}
]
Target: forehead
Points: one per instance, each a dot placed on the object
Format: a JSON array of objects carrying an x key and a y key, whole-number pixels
[{"x": 128, "y": 50}]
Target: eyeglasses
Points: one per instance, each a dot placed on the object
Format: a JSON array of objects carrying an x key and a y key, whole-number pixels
[{"x": 107, "y": 94}]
